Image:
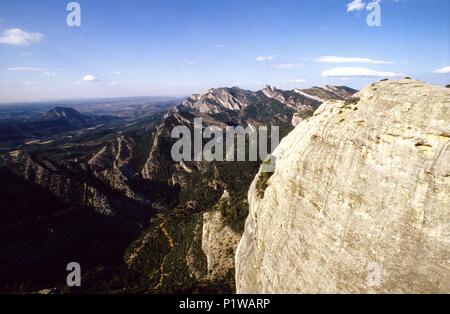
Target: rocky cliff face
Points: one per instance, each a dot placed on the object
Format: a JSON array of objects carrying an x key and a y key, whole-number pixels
[
  {"x": 219, "y": 242},
  {"x": 359, "y": 201}
]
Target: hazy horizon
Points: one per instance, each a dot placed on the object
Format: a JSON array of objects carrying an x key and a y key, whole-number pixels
[{"x": 93, "y": 99}]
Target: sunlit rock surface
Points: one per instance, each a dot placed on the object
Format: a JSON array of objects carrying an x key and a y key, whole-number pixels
[{"x": 360, "y": 200}]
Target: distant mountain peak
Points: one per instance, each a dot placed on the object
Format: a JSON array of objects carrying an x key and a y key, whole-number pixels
[
  {"x": 270, "y": 88},
  {"x": 69, "y": 114},
  {"x": 217, "y": 100}
]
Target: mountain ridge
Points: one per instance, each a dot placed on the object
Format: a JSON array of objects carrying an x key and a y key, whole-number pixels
[{"x": 216, "y": 100}]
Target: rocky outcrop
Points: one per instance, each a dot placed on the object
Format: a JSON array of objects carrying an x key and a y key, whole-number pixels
[
  {"x": 359, "y": 201},
  {"x": 219, "y": 243}
]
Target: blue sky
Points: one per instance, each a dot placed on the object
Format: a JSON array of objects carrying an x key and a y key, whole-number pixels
[{"x": 179, "y": 47}]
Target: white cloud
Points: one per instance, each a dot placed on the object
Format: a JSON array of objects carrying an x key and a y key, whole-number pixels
[
  {"x": 25, "y": 69},
  {"x": 444, "y": 70},
  {"x": 294, "y": 81},
  {"x": 113, "y": 84},
  {"x": 356, "y": 5},
  {"x": 284, "y": 66},
  {"x": 90, "y": 78},
  {"x": 335, "y": 59},
  {"x": 190, "y": 63},
  {"x": 266, "y": 58},
  {"x": 19, "y": 37},
  {"x": 32, "y": 69},
  {"x": 357, "y": 72},
  {"x": 27, "y": 53},
  {"x": 117, "y": 73}
]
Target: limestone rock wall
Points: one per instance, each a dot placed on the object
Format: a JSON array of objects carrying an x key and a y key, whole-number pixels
[
  {"x": 219, "y": 242},
  {"x": 359, "y": 201}
]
